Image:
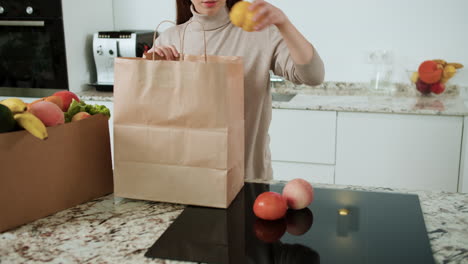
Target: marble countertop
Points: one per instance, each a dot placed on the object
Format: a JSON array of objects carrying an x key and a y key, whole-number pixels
[
  {"x": 355, "y": 97},
  {"x": 449, "y": 106},
  {"x": 115, "y": 230},
  {"x": 94, "y": 95},
  {"x": 397, "y": 98}
]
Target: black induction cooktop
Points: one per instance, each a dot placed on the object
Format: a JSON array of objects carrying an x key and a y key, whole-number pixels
[{"x": 340, "y": 226}]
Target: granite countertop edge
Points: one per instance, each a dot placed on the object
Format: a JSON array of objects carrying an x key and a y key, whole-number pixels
[
  {"x": 117, "y": 230},
  {"x": 353, "y": 97}
]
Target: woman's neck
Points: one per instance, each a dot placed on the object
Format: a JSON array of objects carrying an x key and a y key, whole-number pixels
[{"x": 212, "y": 22}]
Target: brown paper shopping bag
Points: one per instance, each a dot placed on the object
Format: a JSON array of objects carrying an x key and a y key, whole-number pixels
[{"x": 179, "y": 129}]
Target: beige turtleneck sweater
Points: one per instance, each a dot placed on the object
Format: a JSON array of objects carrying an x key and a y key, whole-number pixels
[{"x": 261, "y": 51}]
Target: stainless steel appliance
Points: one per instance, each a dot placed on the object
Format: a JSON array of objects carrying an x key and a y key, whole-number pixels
[
  {"x": 32, "y": 48},
  {"x": 111, "y": 44}
]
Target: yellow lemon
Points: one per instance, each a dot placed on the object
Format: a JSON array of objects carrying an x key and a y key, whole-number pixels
[{"x": 242, "y": 17}]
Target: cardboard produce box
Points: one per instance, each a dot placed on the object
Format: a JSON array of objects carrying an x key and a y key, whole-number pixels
[{"x": 39, "y": 178}]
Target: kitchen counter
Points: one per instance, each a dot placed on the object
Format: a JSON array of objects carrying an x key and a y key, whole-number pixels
[
  {"x": 353, "y": 97},
  {"x": 449, "y": 106},
  {"x": 115, "y": 230},
  {"x": 94, "y": 95}
]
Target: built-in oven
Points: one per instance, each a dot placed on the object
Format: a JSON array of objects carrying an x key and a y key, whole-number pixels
[{"x": 32, "y": 48}]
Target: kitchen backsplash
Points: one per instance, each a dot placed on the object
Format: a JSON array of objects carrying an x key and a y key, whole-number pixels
[{"x": 346, "y": 33}]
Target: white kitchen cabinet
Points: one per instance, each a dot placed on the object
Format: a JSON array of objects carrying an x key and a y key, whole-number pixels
[
  {"x": 302, "y": 144},
  {"x": 314, "y": 173},
  {"x": 463, "y": 180},
  {"x": 303, "y": 136},
  {"x": 401, "y": 151}
]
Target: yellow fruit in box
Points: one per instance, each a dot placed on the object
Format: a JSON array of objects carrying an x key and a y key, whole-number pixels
[
  {"x": 15, "y": 105},
  {"x": 32, "y": 124},
  {"x": 242, "y": 17}
]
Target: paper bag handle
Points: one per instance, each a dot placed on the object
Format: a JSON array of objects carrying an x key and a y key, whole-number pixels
[
  {"x": 156, "y": 31},
  {"x": 183, "y": 38}
]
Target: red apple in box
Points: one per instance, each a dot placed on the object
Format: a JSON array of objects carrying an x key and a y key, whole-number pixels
[
  {"x": 79, "y": 116},
  {"x": 67, "y": 97}
]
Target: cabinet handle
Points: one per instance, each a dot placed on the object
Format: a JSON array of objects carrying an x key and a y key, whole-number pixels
[{"x": 19, "y": 23}]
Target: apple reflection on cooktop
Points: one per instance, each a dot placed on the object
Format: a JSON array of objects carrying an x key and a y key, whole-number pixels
[{"x": 340, "y": 226}]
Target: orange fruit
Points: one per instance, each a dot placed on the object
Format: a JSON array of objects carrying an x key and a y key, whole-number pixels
[{"x": 56, "y": 100}]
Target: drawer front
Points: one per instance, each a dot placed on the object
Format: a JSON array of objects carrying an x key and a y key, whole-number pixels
[
  {"x": 314, "y": 173},
  {"x": 398, "y": 151},
  {"x": 303, "y": 136}
]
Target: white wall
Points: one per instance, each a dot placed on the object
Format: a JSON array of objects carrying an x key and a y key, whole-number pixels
[
  {"x": 142, "y": 14},
  {"x": 81, "y": 19},
  {"x": 345, "y": 32}
]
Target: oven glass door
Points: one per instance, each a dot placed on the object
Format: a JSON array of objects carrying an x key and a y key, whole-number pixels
[{"x": 32, "y": 54}]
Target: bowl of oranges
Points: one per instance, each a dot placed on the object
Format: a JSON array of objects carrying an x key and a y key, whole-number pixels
[{"x": 432, "y": 75}]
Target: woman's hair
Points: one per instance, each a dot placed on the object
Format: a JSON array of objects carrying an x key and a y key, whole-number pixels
[{"x": 184, "y": 13}]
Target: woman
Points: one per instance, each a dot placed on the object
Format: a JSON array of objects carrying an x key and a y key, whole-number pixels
[{"x": 276, "y": 45}]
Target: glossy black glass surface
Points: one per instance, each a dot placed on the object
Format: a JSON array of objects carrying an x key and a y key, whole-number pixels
[
  {"x": 17, "y": 9},
  {"x": 340, "y": 226}
]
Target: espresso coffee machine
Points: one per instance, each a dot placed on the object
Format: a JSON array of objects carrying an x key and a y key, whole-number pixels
[{"x": 107, "y": 45}]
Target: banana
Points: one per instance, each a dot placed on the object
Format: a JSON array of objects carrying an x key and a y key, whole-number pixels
[
  {"x": 414, "y": 77},
  {"x": 15, "y": 105},
  {"x": 442, "y": 62},
  {"x": 456, "y": 65},
  {"x": 32, "y": 124},
  {"x": 449, "y": 71}
]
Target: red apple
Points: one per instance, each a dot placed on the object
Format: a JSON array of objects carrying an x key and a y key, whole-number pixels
[
  {"x": 79, "y": 116},
  {"x": 423, "y": 87},
  {"x": 270, "y": 206},
  {"x": 438, "y": 88},
  {"x": 298, "y": 194},
  {"x": 430, "y": 72},
  {"x": 269, "y": 231},
  {"x": 67, "y": 97},
  {"x": 299, "y": 221}
]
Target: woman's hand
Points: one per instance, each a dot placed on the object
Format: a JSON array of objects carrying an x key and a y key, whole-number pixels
[
  {"x": 267, "y": 15},
  {"x": 167, "y": 52}
]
